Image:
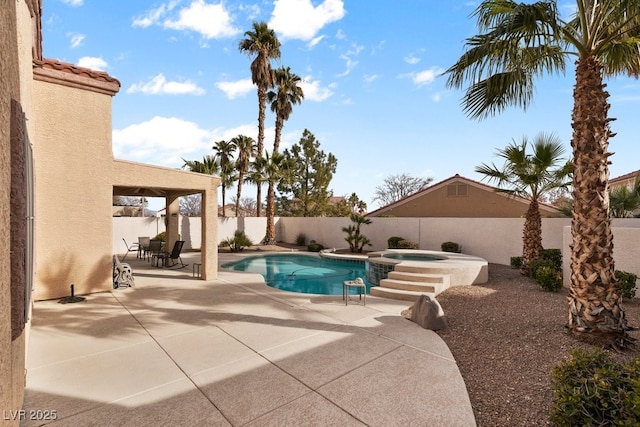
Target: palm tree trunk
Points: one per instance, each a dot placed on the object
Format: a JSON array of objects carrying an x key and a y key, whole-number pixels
[
  {"x": 262, "y": 105},
  {"x": 240, "y": 178},
  {"x": 531, "y": 236},
  {"x": 270, "y": 233},
  {"x": 223, "y": 202},
  {"x": 278, "y": 134},
  {"x": 595, "y": 309}
]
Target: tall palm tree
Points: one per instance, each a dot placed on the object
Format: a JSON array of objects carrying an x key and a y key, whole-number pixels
[
  {"x": 278, "y": 167},
  {"x": 530, "y": 176},
  {"x": 286, "y": 94},
  {"x": 264, "y": 44},
  {"x": 246, "y": 150},
  {"x": 257, "y": 175},
  {"x": 224, "y": 154},
  {"x": 519, "y": 42}
]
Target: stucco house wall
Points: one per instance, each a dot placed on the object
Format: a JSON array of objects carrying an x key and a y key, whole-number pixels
[
  {"x": 15, "y": 82},
  {"x": 71, "y": 143}
]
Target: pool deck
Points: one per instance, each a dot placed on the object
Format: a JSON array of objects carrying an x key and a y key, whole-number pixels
[{"x": 175, "y": 350}]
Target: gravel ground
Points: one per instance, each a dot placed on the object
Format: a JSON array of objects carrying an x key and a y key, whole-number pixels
[{"x": 506, "y": 335}]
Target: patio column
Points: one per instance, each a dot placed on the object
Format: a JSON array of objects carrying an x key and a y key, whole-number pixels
[
  {"x": 173, "y": 211},
  {"x": 209, "y": 233}
]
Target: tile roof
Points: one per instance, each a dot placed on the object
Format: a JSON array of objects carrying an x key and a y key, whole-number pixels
[{"x": 68, "y": 74}]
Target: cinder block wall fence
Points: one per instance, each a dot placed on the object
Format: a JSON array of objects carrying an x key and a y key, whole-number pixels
[{"x": 494, "y": 239}]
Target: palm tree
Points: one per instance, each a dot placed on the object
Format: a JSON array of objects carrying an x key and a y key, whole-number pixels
[
  {"x": 227, "y": 178},
  {"x": 257, "y": 175},
  {"x": 519, "y": 42},
  {"x": 263, "y": 43},
  {"x": 282, "y": 99},
  {"x": 530, "y": 176},
  {"x": 207, "y": 166},
  {"x": 224, "y": 154},
  {"x": 278, "y": 167},
  {"x": 246, "y": 150},
  {"x": 625, "y": 199}
]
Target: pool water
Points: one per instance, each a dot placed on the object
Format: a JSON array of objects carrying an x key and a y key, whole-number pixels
[
  {"x": 302, "y": 273},
  {"x": 412, "y": 257}
]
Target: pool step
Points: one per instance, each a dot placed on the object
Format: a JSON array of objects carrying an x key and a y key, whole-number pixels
[{"x": 406, "y": 285}]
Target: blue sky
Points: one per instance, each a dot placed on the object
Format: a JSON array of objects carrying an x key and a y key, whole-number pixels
[{"x": 370, "y": 70}]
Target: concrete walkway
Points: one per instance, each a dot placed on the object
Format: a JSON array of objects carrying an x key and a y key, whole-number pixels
[{"x": 179, "y": 351}]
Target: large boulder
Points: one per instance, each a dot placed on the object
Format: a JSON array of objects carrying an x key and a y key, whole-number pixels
[{"x": 427, "y": 312}]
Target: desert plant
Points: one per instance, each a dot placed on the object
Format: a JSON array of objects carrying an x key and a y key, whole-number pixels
[
  {"x": 392, "y": 242},
  {"x": 355, "y": 238},
  {"x": 555, "y": 256},
  {"x": 592, "y": 389},
  {"x": 301, "y": 239},
  {"x": 626, "y": 283},
  {"x": 406, "y": 244},
  {"x": 314, "y": 247},
  {"x": 238, "y": 242},
  {"x": 450, "y": 247},
  {"x": 549, "y": 278},
  {"x": 516, "y": 261}
]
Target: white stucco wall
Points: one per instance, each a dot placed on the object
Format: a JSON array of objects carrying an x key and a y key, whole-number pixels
[{"x": 626, "y": 248}]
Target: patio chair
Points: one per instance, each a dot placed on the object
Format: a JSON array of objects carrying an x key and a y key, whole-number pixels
[
  {"x": 155, "y": 248},
  {"x": 143, "y": 246},
  {"x": 122, "y": 274},
  {"x": 130, "y": 248},
  {"x": 173, "y": 256}
]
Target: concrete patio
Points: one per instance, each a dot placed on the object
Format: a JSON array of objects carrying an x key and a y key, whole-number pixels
[{"x": 175, "y": 350}]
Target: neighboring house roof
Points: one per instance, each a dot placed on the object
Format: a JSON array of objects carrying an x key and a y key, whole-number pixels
[
  {"x": 458, "y": 196},
  {"x": 626, "y": 179}
]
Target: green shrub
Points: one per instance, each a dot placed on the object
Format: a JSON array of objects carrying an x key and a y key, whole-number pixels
[
  {"x": 516, "y": 261},
  {"x": 301, "y": 239},
  {"x": 549, "y": 278},
  {"x": 314, "y": 247},
  {"x": 451, "y": 247},
  {"x": 392, "y": 242},
  {"x": 407, "y": 244},
  {"x": 161, "y": 236},
  {"x": 591, "y": 389},
  {"x": 238, "y": 242},
  {"x": 626, "y": 283},
  {"x": 536, "y": 264},
  {"x": 555, "y": 256}
]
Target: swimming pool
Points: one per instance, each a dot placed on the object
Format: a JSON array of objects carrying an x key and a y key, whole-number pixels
[{"x": 302, "y": 273}]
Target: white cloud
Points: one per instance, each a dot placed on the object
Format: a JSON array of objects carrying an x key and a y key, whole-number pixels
[
  {"x": 154, "y": 15},
  {"x": 349, "y": 60},
  {"x": 411, "y": 59},
  {"x": 165, "y": 141},
  {"x": 73, "y": 2},
  {"x": 93, "y": 62},
  {"x": 299, "y": 19},
  {"x": 161, "y": 141},
  {"x": 235, "y": 89},
  {"x": 76, "y": 39},
  {"x": 314, "y": 92},
  {"x": 425, "y": 77},
  {"x": 370, "y": 78},
  {"x": 314, "y": 41},
  {"x": 210, "y": 20},
  {"x": 160, "y": 85}
]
